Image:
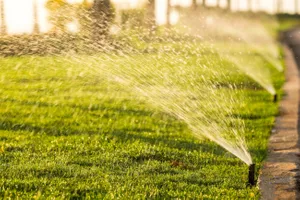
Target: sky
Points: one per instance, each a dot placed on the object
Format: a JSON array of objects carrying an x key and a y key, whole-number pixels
[{"x": 19, "y": 13}]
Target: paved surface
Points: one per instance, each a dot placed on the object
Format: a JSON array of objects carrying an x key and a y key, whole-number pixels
[{"x": 281, "y": 171}]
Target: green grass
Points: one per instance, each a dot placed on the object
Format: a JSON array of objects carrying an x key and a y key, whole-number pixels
[
  {"x": 287, "y": 21},
  {"x": 68, "y": 131}
]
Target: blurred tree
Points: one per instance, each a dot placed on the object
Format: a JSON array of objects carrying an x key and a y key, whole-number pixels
[
  {"x": 279, "y": 6},
  {"x": 168, "y": 13},
  {"x": 102, "y": 14},
  {"x": 219, "y": 3},
  {"x": 2, "y": 18},
  {"x": 36, "y": 28},
  {"x": 150, "y": 15},
  {"x": 83, "y": 13},
  {"x": 204, "y": 3},
  {"x": 229, "y": 4},
  {"x": 59, "y": 14},
  {"x": 249, "y": 5},
  {"x": 194, "y": 4}
]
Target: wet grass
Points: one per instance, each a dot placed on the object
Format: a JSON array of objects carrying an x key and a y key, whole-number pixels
[{"x": 69, "y": 132}]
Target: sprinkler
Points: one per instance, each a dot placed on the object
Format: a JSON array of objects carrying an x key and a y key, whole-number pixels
[
  {"x": 275, "y": 98},
  {"x": 251, "y": 176}
]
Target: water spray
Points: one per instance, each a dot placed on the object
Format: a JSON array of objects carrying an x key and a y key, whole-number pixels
[{"x": 251, "y": 175}]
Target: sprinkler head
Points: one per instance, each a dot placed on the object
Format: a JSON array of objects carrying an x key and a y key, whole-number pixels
[
  {"x": 275, "y": 98},
  {"x": 251, "y": 175}
]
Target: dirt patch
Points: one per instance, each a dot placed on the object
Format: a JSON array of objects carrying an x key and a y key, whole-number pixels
[{"x": 278, "y": 178}]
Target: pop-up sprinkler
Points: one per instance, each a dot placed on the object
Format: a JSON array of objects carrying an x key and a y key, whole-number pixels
[
  {"x": 275, "y": 98},
  {"x": 251, "y": 175}
]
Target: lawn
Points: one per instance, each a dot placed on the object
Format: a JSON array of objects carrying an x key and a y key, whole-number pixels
[{"x": 104, "y": 126}]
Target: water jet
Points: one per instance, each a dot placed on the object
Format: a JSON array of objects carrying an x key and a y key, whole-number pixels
[{"x": 251, "y": 175}]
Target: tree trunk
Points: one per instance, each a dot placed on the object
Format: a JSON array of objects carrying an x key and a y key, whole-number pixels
[
  {"x": 194, "y": 4},
  {"x": 229, "y": 4},
  {"x": 150, "y": 15},
  {"x": 219, "y": 3},
  {"x": 2, "y": 18},
  {"x": 204, "y": 3},
  {"x": 101, "y": 12},
  {"x": 36, "y": 28},
  {"x": 250, "y": 5},
  {"x": 279, "y": 6},
  {"x": 168, "y": 13}
]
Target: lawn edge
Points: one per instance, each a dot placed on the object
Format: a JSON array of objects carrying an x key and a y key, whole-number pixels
[{"x": 278, "y": 176}]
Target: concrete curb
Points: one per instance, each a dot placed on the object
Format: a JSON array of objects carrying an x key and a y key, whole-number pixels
[{"x": 278, "y": 178}]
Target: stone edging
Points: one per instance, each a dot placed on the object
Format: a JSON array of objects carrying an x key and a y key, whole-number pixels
[{"x": 278, "y": 178}]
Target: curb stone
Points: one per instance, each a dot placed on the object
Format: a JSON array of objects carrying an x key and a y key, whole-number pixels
[{"x": 278, "y": 178}]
